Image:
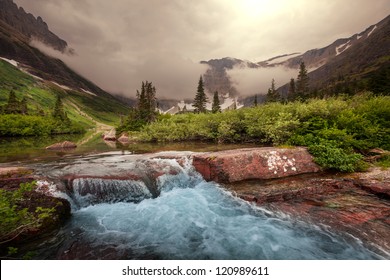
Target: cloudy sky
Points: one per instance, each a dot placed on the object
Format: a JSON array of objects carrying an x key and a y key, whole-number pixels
[{"x": 120, "y": 43}]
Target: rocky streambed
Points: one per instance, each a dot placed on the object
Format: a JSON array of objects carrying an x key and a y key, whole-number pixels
[{"x": 140, "y": 199}]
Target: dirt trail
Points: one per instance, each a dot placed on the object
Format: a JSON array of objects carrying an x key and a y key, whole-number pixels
[{"x": 100, "y": 128}]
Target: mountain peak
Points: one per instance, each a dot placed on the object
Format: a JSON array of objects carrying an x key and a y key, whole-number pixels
[{"x": 29, "y": 26}]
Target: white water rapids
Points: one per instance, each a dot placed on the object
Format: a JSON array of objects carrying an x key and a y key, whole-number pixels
[{"x": 189, "y": 218}]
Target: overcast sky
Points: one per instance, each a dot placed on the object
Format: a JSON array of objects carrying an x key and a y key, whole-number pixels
[{"x": 120, "y": 43}]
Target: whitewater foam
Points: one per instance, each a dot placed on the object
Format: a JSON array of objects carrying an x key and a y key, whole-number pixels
[{"x": 189, "y": 219}]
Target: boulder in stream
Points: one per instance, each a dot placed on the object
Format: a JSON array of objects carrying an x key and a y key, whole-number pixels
[
  {"x": 254, "y": 163},
  {"x": 62, "y": 146},
  {"x": 124, "y": 139}
]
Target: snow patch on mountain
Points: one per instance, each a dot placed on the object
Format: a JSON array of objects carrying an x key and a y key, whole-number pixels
[
  {"x": 228, "y": 103},
  {"x": 61, "y": 86},
  {"x": 32, "y": 75},
  {"x": 281, "y": 58},
  {"x": 10, "y": 61},
  {"x": 375, "y": 27},
  {"x": 342, "y": 48},
  {"x": 89, "y": 92}
]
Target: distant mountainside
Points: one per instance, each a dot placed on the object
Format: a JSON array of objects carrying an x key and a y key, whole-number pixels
[
  {"x": 216, "y": 78},
  {"x": 14, "y": 44},
  {"x": 359, "y": 58},
  {"x": 29, "y": 26},
  {"x": 359, "y": 62},
  {"x": 42, "y": 77}
]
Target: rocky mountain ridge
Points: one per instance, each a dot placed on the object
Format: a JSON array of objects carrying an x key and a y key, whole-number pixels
[
  {"x": 364, "y": 52},
  {"x": 28, "y": 25}
]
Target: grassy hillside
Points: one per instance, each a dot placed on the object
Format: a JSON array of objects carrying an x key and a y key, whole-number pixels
[{"x": 80, "y": 106}]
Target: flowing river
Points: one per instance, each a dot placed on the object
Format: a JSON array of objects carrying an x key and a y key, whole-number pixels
[{"x": 156, "y": 206}]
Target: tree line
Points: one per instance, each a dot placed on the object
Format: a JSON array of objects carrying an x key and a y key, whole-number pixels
[
  {"x": 146, "y": 109},
  {"x": 16, "y": 119},
  {"x": 16, "y": 107},
  {"x": 298, "y": 90}
]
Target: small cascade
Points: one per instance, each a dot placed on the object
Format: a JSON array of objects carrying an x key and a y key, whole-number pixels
[
  {"x": 130, "y": 181},
  {"x": 90, "y": 191},
  {"x": 141, "y": 207}
]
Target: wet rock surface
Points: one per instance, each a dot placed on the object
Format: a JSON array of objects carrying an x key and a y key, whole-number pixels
[
  {"x": 352, "y": 205},
  {"x": 254, "y": 163},
  {"x": 62, "y": 146},
  {"x": 356, "y": 205}
]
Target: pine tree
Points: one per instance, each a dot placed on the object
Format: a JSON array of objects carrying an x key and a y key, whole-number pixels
[
  {"x": 302, "y": 89},
  {"x": 39, "y": 111},
  {"x": 147, "y": 103},
  {"x": 200, "y": 98},
  {"x": 255, "y": 101},
  {"x": 58, "y": 112},
  {"x": 273, "y": 95},
  {"x": 291, "y": 91},
  {"x": 13, "y": 105},
  {"x": 23, "y": 106},
  {"x": 216, "y": 107}
]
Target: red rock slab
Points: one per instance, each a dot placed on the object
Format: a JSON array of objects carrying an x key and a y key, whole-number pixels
[
  {"x": 124, "y": 139},
  {"x": 62, "y": 146},
  {"x": 254, "y": 163},
  {"x": 380, "y": 188}
]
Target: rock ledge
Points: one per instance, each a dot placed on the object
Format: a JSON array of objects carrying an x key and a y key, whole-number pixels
[{"x": 254, "y": 163}]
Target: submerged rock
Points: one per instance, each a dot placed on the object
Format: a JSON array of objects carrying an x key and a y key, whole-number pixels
[
  {"x": 254, "y": 163},
  {"x": 62, "y": 146},
  {"x": 110, "y": 136},
  {"x": 124, "y": 139}
]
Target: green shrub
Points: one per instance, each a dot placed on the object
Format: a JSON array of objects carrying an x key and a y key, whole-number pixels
[
  {"x": 334, "y": 129},
  {"x": 384, "y": 161},
  {"x": 329, "y": 156},
  {"x": 16, "y": 219},
  {"x": 21, "y": 125}
]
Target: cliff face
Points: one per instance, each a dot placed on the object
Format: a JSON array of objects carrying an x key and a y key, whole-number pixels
[{"x": 29, "y": 26}]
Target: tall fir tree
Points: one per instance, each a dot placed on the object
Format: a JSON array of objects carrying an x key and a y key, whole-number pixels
[
  {"x": 291, "y": 90},
  {"x": 147, "y": 103},
  {"x": 23, "y": 106},
  {"x": 200, "y": 98},
  {"x": 216, "y": 106},
  {"x": 302, "y": 85},
  {"x": 273, "y": 95},
  {"x": 13, "y": 105},
  {"x": 255, "y": 101},
  {"x": 58, "y": 112}
]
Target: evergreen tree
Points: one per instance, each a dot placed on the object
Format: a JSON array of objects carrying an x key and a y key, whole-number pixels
[
  {"x": 302, "y": 87},
  {"x": 13, "y": 105},
  {"x": 39, "y": 111},
  {"x": 216, "y": 107},
  {"x": 59, "y": 112},
  {"x": 291, "y": 91},
  {"x": 200, "y": 98},
  {"x": 255, "y": 101},
  {"x": 145, "y": 111},
  {"x": 147, "y": 103},
  {"x": 273, "y": 95},
  {"x": 23, "y": 106}
]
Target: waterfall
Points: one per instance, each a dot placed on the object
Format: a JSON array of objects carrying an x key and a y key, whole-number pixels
[
  {"x": 166, "y": 210},
  {"x": 90, "y": 191}
]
